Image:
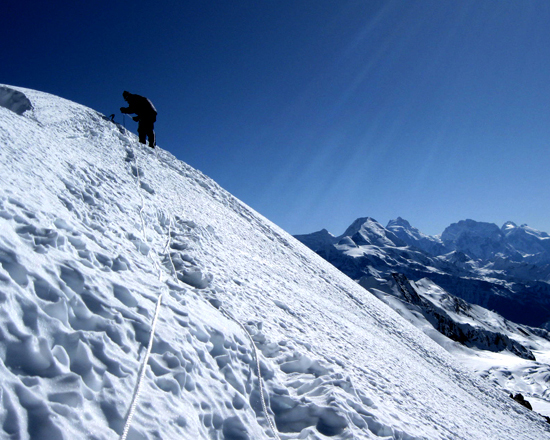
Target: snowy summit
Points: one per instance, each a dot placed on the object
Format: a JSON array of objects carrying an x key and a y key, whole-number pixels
[{"x": 103, "y": 240}]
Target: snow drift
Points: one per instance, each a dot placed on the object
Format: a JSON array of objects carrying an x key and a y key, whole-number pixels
[{"x": 95, "y": 227}]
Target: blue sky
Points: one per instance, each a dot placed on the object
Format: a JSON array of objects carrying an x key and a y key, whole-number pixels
[{"x": 316, "y": 112}]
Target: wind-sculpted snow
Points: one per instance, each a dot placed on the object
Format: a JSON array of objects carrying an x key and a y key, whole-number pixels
[{"x": 94, "y": 227}]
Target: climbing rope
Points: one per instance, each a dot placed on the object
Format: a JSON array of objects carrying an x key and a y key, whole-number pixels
[
  {"x": 145, "y": 361},
  {"x": 167, "y": 251},
  {"x": 254, "y": 348},
  {"x": 137, "y": 389},
  {"x": 257, "y": 361}
]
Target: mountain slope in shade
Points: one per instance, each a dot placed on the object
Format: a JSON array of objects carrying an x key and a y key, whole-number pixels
[{"x": 95, "y": 227}]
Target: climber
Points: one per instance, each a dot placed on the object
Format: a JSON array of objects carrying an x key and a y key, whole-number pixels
[{"x": 146, "y": 115}]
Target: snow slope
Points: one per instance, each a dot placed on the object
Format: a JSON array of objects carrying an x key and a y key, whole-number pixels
[{"x": 95, "y": 227}]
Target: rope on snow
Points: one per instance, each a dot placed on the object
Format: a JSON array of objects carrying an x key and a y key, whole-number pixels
[
  {"x": 254, "y": 348},
  {"x": 137, "y": 389},
  {"x": 257, "y": 360},
  {"x": 143, "y": 368}
]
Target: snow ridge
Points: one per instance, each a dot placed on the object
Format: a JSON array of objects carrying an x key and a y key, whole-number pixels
[{"x": 81, "y": 249}]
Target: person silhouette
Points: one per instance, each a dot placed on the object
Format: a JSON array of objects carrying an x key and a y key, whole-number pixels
[{"x": 146, "y": 116}]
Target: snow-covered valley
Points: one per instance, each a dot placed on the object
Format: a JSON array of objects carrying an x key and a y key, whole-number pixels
[{"x": 98, "y": 234}]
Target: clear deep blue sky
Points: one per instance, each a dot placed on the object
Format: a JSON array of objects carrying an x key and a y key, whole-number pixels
[{"x": 316, "y": 112}]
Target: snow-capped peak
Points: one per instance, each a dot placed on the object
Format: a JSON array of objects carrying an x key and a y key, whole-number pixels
[
  {"x": 367, "y": 231},
  {"x": 401, "y": 222},
  {"x": 508, "y": 226}
]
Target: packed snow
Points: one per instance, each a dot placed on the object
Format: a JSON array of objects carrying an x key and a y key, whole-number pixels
[{"x": 96, "y": 228}]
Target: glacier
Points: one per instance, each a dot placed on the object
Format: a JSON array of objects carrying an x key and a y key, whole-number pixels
[{"x": 257, "y": 337}]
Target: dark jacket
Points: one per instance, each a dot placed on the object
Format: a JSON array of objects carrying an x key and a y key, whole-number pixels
[{"x": 141, "y": 106}]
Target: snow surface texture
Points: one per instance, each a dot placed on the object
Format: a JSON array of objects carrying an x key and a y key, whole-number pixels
[{"x": 94, "y": 227}]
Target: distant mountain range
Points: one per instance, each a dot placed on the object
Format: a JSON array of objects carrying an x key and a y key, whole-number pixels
[{"x": 504, "y": 269}]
